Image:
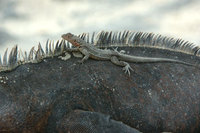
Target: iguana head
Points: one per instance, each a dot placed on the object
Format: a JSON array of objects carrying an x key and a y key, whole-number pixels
[{"x": 73, "y": 39}]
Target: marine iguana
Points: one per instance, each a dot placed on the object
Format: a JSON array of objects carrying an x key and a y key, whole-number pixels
[{"x": 39, "y": 93}]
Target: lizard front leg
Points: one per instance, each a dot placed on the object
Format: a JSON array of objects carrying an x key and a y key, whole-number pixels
[
  {"x": 86, "y": 55},
  {"x": 126, "y": 66}
]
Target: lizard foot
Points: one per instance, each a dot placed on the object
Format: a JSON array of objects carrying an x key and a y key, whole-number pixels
[
  {"x": 127, "y": 69},
  {"x": 121, "y": 51}
]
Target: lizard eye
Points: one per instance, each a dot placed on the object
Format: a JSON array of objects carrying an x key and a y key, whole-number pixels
[{"x": 76, "y": 41}]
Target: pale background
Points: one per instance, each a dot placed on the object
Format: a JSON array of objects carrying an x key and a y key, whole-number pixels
[{"x": 28, "y": 22}]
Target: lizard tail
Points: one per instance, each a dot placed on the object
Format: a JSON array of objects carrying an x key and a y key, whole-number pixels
[{"x": 137, "y": 59}]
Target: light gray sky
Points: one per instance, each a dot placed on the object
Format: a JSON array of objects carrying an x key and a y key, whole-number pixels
[{"x": 28, "y": 22}]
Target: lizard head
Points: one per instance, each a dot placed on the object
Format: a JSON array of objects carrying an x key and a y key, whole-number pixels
[{"x": 74, "y": 40}]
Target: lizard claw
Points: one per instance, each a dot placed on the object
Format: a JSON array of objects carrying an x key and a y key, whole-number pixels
[
  {"x": 121, "y": 51},
  {"x": 115, "y": 49},
  {"x": 127, "y": 69}
]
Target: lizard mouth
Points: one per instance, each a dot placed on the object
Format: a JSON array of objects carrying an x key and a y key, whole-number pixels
[{"x": 76, "y": 44}]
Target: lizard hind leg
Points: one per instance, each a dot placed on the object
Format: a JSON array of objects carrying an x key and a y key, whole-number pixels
[{"x": 126, "y": 66}]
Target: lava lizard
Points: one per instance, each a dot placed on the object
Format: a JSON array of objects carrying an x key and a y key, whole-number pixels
[{"x": 117, "y": 58}]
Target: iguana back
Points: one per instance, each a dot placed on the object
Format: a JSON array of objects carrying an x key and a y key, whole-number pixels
[{"x": 52, "y": 95}]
